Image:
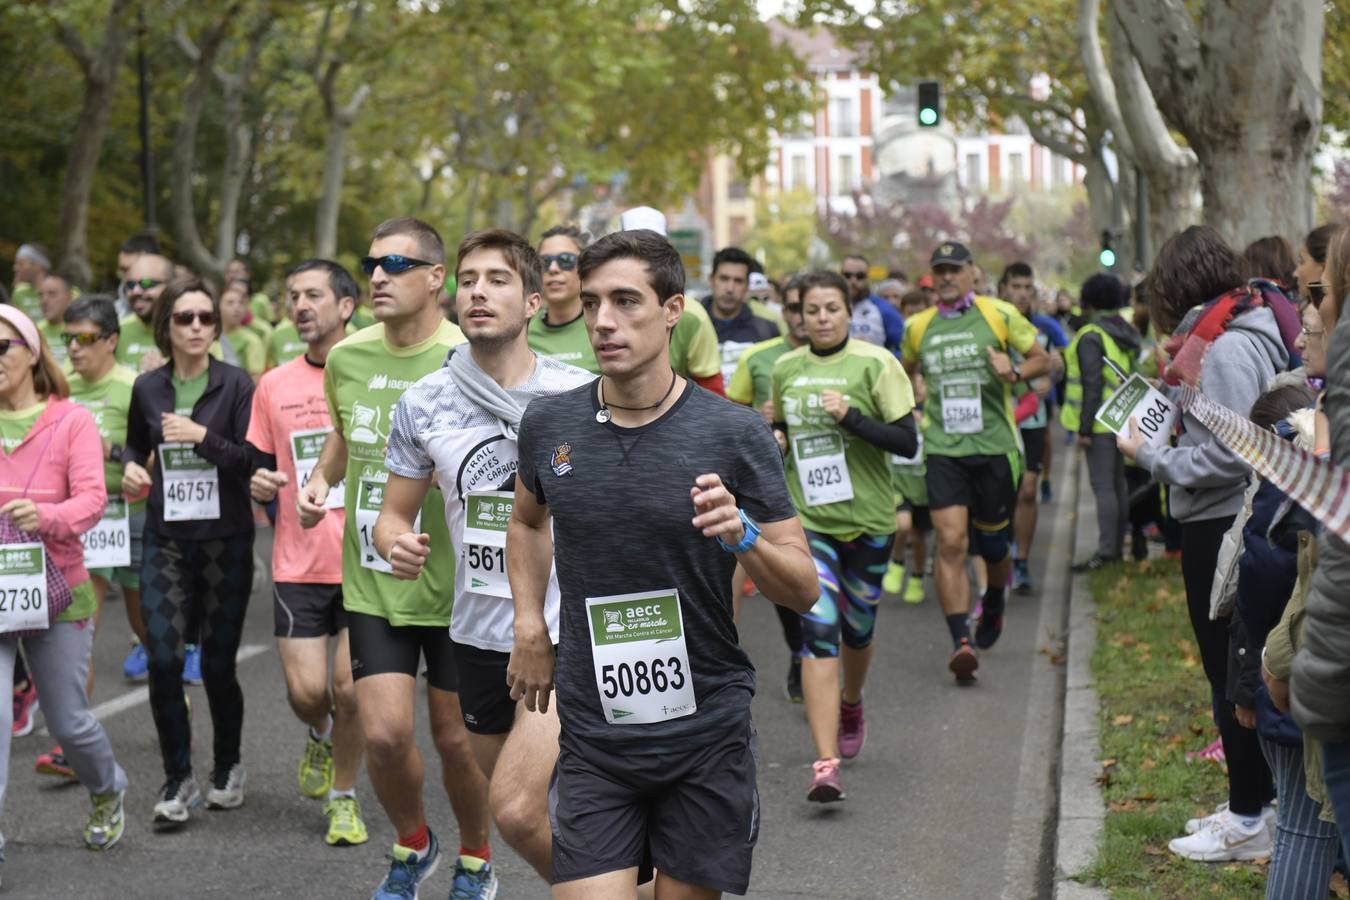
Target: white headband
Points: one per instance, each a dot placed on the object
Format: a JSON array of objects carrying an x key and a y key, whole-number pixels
[{"x": 33, "y": 254}]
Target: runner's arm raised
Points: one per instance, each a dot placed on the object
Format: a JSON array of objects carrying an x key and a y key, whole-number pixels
[
  {"x": 394, "y": 538},
  {"x": 529, "y": 559},
  {"x": 779, "y": 563}
]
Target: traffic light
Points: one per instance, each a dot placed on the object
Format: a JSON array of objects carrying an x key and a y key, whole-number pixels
[
  {"x": 930, "y": 103},
  {"x": 1108, "y": 256}
]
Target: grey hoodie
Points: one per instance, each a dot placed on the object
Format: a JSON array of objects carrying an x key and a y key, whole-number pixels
[
  {"x": 1320, "y": 684},
  {"x": 1208, "y": 479}
]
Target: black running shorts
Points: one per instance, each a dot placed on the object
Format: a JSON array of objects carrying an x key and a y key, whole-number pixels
[
  {"x": 692, "y": 815},
  {"x": 379, "y": 648},
  {"x": 484, "y": 697},
  {"x": 985, "y": 485},
  {"x": 307, "y": 610},
  {"x": 1033, "y": 443}
]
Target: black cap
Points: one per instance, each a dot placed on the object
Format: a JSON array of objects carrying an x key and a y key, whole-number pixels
[{"x": 950, "y": 253}]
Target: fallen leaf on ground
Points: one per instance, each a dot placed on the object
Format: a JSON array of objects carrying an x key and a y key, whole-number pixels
[{"x": 1122, "y": 720}]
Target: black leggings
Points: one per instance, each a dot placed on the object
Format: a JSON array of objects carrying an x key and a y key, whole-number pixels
[
  {"x": 1249, "y": 783},
  {"x": 183, "y": 583}
]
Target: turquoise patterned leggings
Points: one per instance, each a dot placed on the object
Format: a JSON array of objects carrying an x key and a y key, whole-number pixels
[{"x": 850, "y": 575}]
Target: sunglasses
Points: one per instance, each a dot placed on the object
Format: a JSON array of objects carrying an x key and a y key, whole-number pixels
[
  {"x": 5, "y": 344},
  {"x": 144, "y": 284},
  {"x": 83, "y": 338},
  {"x": 566, "y": 261},
  {"x": 856, "y": 276},
  {"x": 393, "y": 264},
  {"x": 794, "y": 308},
  {"x": 207, "y": 318}
]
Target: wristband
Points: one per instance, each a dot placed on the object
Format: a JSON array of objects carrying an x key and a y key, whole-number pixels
[{"x": 748, "y": 541}]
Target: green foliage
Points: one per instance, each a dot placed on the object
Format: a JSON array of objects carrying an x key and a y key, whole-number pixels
[
  {"x": 785, "y": 229},
  {"x": 479, "y": 113},
  {"x": 1155, "y": 707}
]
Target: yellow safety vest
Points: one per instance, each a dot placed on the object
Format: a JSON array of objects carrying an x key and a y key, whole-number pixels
[{"x": 1071, "y": 413}]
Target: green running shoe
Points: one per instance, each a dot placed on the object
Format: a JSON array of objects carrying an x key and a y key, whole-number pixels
[
  {"x": 316, "y": 768},
  {"x": 895, "y": 575},
  {"x": 345, "y": 826},
  {"x": 106, "y": 821}
]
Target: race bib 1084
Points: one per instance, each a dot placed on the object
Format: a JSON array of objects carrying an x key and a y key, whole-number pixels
[{"x": 1139, "y": 400}]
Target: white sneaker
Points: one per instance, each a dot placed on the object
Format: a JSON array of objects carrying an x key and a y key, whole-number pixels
[
  {"x": 227, "y": 789},
  {"x": 176, "y": 801},
  {"x": 1194, "y": 825},
  {"x": 1224, "y": 840}
]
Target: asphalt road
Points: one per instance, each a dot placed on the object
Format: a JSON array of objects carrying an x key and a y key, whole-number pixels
[{"x": 949, "y": 798}]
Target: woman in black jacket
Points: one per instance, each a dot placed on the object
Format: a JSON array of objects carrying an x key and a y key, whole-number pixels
[{"x": 190, "y": 416}]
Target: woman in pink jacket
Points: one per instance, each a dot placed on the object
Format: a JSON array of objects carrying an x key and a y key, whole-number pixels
[{"x": 51, "y": 491}]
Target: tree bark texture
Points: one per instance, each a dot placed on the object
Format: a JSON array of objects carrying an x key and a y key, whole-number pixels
[
  {"x": 99, "y": 68},
  {"x": 1242, "y": 83}
]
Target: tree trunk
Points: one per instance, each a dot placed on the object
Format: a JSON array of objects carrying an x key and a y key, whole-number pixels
[
  {"x": 100, "y": 68},
  {"x": 1241, "y": 80},
  {"x": 1171, "y": 202},
  {"x": 330, "y": 194}
]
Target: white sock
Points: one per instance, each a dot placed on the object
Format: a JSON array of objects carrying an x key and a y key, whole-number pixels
[
  {"x": 326, "y": 734},
  {"x": 334, "y": 792}
]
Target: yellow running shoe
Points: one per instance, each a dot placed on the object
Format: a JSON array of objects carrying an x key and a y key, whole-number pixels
[
  {"x": 914, "y": 589},
  {"x": 345, "y": 827},
  {"x": 895, "y": 574},
  {"x": 316, "y": 768}
]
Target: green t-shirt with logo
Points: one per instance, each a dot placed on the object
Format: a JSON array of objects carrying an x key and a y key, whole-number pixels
[
  {"x": 567, "y": 343},
  {"x": 136, "y": 340},
  {"x": 909, "y": 476},
  {"x": 363, "y": 380},
  {"x": 284, "y": 345},
  {"x": 108, "y": 400},
  {"x": 187, "y": 391},
  {"x": 26, "y": 298},
  {"x": 872, "y": 381},
  {"x": 969, "y": 410},
  {"x": 250, "y": 349},
  {"x": 752, "y": 383},
  {"x": 16, "y": 423}
]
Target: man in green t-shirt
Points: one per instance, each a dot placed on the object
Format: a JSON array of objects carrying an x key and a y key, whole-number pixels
[
  {"x": 31, "y": 264},
  {"x": 394, "y": 625},
  {"x": 558, "y": 331},
  {"x": 970, "y": 438},
  {"x": 55, "y": 294},
  {"x": 248, "y": 347},
  {"x": 146, "y": 280}
]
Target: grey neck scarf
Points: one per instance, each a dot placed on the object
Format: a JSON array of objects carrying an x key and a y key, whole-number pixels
[{"x": 480, "y": 388}]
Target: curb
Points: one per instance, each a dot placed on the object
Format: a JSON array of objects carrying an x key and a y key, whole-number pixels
[{"x": 1081, "y": 808}]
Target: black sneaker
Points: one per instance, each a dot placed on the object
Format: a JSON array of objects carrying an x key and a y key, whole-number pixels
[
  {"x": 794, "y": 680},
  {"x": 1138, "y": 545},
  {"x": 990, "y": 626},
  {"x": 1092, "y": 564}
]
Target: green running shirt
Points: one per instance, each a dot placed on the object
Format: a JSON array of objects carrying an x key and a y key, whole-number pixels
[
  {"x": 872, "y": 381},
  {"x": 567, "y": 343},
  {"x": 363, "y": 380}
]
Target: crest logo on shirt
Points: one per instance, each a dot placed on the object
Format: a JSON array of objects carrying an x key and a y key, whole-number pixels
[{"x": 562, "y": 459}]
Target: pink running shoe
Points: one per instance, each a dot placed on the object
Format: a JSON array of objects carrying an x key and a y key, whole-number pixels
[
  {"x": 1212, "y": 753},
  {"x": 825, "y": 787},
  {"x": 25, "y": 708},
  {"x": 852, "y": 729}
]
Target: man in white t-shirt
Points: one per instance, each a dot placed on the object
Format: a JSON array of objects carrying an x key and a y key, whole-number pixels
[{"x": 458, "y": 426}]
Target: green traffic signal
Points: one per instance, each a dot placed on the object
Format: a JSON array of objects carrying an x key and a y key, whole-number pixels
[
  {"x": 930, "y": 103},
  {"x": 928, "y": 116},
  {"x": 1108, "y": 258}
]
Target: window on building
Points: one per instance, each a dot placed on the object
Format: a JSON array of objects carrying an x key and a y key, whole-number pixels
[
  {"x": 799, "y": 176},
  {"x": 1016, "y": 170},
  {"x": 846, "y": 180},
  {"x": 973, "y": 179},
  {"x": 845, "y": 119},
  {"x": 1059, "y": 171},
  {"x": 736, "y": 225},
  {"x": 738, "y": 189}
]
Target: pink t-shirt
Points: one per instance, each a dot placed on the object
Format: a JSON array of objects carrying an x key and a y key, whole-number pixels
[{"x": 290, "y": 414}]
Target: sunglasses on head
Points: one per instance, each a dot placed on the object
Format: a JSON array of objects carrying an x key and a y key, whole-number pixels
[
  {"x": 206, "y": 317},
  {"x": 393, "y": 264},
  {"x": 144, "y": 284},
  {"x": 5, "y": 344},
  {"x": 566, "y": 261},
  {"x": 83, "y": 338}
]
